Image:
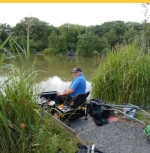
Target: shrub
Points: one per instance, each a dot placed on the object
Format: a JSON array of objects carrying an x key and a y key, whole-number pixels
[{"x": 49, "y": 51}]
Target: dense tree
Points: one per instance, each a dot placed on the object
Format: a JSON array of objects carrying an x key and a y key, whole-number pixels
[
  {"x": 5, "y": 30},
  {"x": 53, "y": 41},
  {"x": 111, "y": 37},
  {"x": 62, "y": 44},
  {"x": 71, "y": 32},
  {"x": 137, "y": 26},
  {"x": 87, "y": 43},
  {"x": 38, "y": 30},
  {"x": 96, "y": 29},
  {"x": 75, "y": 37},
  {"x": 130, "y": 35}
]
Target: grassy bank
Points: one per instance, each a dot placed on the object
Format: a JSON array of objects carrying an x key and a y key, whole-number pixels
[
  {"x": 22, "y": 129},
  {"x": 124, "y": 77}
]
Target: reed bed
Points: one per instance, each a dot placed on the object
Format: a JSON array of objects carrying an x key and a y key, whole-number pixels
[
  {"x": 124, "y": 77},
  {"x": 22, "y": 128}
]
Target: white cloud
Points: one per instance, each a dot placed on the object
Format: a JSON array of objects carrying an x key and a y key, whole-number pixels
[{"x": 60, "y": 13}]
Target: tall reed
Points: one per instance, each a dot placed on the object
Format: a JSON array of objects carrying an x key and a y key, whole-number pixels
[
  {"x": 22, "y": 129},
  {"x": 124, "y": 77}
]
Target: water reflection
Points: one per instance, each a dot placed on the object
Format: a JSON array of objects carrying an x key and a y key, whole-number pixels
[
  {"x": 56, "y": 84},
  {"x": 61, "y": 66},
  {"x": 54, "y": 72}
]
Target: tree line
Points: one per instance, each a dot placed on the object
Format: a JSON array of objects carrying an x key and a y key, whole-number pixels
[{"x": 83, "y": 40}]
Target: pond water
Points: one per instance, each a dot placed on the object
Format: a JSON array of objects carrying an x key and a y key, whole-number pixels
[{"x": 54, "y": 72}]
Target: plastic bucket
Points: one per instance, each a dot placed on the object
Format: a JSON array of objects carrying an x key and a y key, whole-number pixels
[{"x": 129, "y": 113}]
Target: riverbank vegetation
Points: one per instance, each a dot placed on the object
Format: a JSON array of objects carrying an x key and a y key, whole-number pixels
[
  {"x": 124, "y": 77},
  {"x": 82, "y": 40},
  {"x": 22, "y": 126}
]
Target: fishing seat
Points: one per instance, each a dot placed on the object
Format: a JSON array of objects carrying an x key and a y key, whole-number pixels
[{"x": 73, "y": 109}]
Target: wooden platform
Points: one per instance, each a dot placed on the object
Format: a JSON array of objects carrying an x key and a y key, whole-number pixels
[
  {"x": 77, "y": 126},
  {"x": 82, "y": 125}
]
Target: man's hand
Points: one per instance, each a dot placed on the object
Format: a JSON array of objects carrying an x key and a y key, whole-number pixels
[
  {"x": 66, "y": 92},
  {"x": 60, "y": 93}
]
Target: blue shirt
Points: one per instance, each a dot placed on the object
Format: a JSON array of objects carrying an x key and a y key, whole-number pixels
[{"x": 78, "y": 85}]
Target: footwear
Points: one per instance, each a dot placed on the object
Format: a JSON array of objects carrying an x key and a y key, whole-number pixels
[
  {"x": 98, "y": 122},
  {"x": 81, "y": 146}
]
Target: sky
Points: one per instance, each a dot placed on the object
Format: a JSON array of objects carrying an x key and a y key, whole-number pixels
[{"x": 85, "y": 14}]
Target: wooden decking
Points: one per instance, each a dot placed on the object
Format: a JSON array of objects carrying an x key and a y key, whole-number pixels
[
  {"x": 82, "y": 125},
  {"x": 77, "y": 126}
]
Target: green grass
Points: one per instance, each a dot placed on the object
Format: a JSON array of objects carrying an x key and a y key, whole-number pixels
[
  {"x": 124, "y": 77},
  {"x": 22, "y": 129},
  {"x": 142, "y": 116}
]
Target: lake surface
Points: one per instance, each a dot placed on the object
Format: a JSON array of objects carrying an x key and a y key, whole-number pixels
[{"x": 54, "y": 72}]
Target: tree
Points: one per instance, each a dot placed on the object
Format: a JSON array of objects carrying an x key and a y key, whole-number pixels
[
  {"x": 39, "y": 32},
  {"x": 53, "y": 41},
  {"x": 5, "y": 30},
  {"x": 111, "y": 37},
  {"x": 130, "y": 35},
  {"x": 87, "y": 44},
  {"x": 70, "y": 33}
]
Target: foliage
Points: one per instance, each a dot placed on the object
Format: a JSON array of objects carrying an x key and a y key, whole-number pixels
[
  {"x": 16, "y": 108},
  {"x": 69, "y": 36},
  {"x": 125, "y": 79},
  {"x": 130, "y": 35},
  {"x": 87, "y": 43},
  {"x": 49, "y": 51},
  {"x": 38, "y": 31},
  {"x": 53, "y": 40},
  {"x": 105, "y": 51},
  {"x": 81, "y": 39},
  {"x": 22, "y": 129}
]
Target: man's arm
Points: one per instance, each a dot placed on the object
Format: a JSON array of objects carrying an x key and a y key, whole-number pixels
[{"x": 66, "y": 92}]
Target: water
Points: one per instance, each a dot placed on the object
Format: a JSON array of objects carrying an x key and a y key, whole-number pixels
[
  {"x": 54, "y": 72},
  {"x": 61, "y": 66}
]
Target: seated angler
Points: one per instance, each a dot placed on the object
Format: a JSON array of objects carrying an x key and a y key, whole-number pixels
[{"x": 77, "y": 86}]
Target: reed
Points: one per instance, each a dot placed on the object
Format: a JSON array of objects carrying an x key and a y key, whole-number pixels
[
  {"x": 22, "y": 129},
  {"x": 124, "y": 77}
]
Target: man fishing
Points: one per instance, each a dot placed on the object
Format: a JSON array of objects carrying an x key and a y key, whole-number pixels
[{"x": 77, "y": 86}]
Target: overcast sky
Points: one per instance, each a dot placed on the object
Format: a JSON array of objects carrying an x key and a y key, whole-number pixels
[{"x": 84, "y": 14}]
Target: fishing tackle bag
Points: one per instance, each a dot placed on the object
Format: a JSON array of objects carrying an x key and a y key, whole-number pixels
[{"x": 98, "y": 110}]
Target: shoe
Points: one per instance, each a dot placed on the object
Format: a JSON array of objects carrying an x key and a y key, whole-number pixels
[
  {"x": 98, "y": 122},
  {"x": 81, "y": 146}
]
